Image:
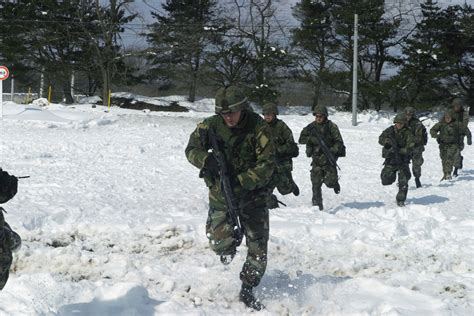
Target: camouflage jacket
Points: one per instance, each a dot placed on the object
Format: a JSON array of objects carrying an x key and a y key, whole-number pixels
[
  {"x": 331, "y": 136},
  {"x": 285, "y": 145},
  {"x": 249, "y": 153},
  {"x": 419, "y": 132},
  {"x": 450, "y": 133},
  {"x": 404, "y": 142}
]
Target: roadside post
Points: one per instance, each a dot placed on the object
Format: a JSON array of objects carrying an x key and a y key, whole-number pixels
[{"x": 4, "y": 73}]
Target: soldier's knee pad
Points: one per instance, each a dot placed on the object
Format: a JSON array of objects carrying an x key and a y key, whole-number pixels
[
  {"x": 330, "y": 180},
  {"x": 388, "y": 178}
]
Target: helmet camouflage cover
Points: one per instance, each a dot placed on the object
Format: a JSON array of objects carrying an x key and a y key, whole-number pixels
[
  {"x": 400, "y": 118},
  {"x": 320, "y": 109},
  {"x": 230, "y": 99},
  {"x": 449, "y": 114},
  {"x": 270, "y": 108}
]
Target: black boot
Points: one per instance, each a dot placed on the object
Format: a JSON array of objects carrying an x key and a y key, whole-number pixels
[
  {"x": 337, "y": 188},
  {"x": 296, "y": 190},
  {"x": 226, "y": 259},
  {"x": 319, "y": 204},
  {"x": 455, "y": 173},
  {"x": 318, "y": 198},
  {"x": 417, "y": 182},
  {"x": 246, "y": 297}
]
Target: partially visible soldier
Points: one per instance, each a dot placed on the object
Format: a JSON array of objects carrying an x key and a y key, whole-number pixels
[
  {"x": 322, "y": 171},
  {"x": 421, "y": 138},
  {"x": 249, "y": 153},
  {"x": 398, "y": 144},
  {"x": 285, "y": 150},
  {"x": 448, "y": 133},
  {"x": 461, "y": 118},
  {"x": 9, "y": 240}
]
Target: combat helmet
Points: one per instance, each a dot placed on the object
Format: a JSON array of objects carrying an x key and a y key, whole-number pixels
[
  {"x": 269, "y": 108},
  {"x": 450, "y": 114},
  {"x": 400, "y": 118},
  {"x": 230, "y": 99},
  {"x": 320, "y": 109},
  {"x": 456, "y": 102}
]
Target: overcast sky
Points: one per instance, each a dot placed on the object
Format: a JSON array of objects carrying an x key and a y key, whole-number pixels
[{"x": 132, "y": 36}]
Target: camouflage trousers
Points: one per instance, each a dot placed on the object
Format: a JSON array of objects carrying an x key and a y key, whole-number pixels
[
  {"x": 5, "y": 255},
  {"x": 282, "y": 179},
  {"x": 322, "y": 174},
  {"x": 450, "y": 157},
  {"x": 417, "y": 160},
  {"x": 389, "y": 175},
  {"x": 255, "y": 223}
]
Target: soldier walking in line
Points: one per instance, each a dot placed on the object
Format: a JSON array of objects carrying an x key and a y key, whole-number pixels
[
  {"x": 421, "y": 139},
  {"x": 461, "y": 118},
  {"x": 285, "y": 150},
  {"x": 398, "y": 144},
  {"x": 246, "y": 146},
  {"x": 324, "y": 145},
  {"x": 448, "y": 135}
]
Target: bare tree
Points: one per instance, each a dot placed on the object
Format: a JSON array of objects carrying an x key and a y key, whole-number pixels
[{"x": 257, "y": 24}]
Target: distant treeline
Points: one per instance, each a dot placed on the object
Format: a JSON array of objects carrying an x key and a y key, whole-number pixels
[{"x": 419, "y": 56}]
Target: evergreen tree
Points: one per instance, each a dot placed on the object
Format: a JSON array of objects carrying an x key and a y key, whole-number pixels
[
  {"x": 14, "y": 51},
  {"x": 102, "y": 23},
  {"x": 426, "y": 62},
  {"x": 184, "y": 34},
  {"x": 315, "y": 42},
  {"x": 378, "y": 32},
  {"x": 457, "y": 41}
]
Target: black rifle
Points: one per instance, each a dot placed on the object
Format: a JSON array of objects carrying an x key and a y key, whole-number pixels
[
  {"x": 393, "y": 142},
  {"x": 226, "y": 187},
  {"x": 326, "y": 151}
]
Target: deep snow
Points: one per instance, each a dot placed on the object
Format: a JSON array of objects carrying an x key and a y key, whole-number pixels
[{"x": 112, "y": 221}]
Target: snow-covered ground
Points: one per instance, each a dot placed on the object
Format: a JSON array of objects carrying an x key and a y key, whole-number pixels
[{"x": 112, "y": 220}]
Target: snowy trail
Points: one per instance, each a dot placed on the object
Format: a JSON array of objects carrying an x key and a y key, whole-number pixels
[{"x": 113, "y": 218}]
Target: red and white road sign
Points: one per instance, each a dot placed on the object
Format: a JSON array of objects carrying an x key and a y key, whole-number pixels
[{"x": 4, "y": 73}]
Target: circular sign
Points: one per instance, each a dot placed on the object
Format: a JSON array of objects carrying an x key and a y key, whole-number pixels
[{"x": 4, "y": 73}]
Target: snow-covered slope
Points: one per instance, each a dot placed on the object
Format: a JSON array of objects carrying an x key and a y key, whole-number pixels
[{"x": 113, "y": 217}]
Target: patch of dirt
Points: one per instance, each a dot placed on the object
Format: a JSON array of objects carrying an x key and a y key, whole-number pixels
[{"x": 140, "y": 105}]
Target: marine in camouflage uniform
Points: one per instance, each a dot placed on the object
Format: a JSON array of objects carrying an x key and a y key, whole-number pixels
[
  {"x": 321, "y": 169},
  {"x": 461, "y": 118},
  {"x": 249, "y": 153},
  {"x": 448, "y": 133},
  {"x": 421, "y": 138},
  {"x": 398, "y": 144},
  {"x": 9, "y": 240},
  {"x": 285, "y": 148}
]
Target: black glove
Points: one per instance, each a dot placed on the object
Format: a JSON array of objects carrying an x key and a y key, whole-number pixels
[
  {"x": 469, "y": 142},
  {"x": 210, "y": 166},
  {"x": 8, "y": 186}
]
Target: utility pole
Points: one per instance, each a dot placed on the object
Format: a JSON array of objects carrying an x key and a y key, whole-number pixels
[{"x": 354, "y": 73}]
